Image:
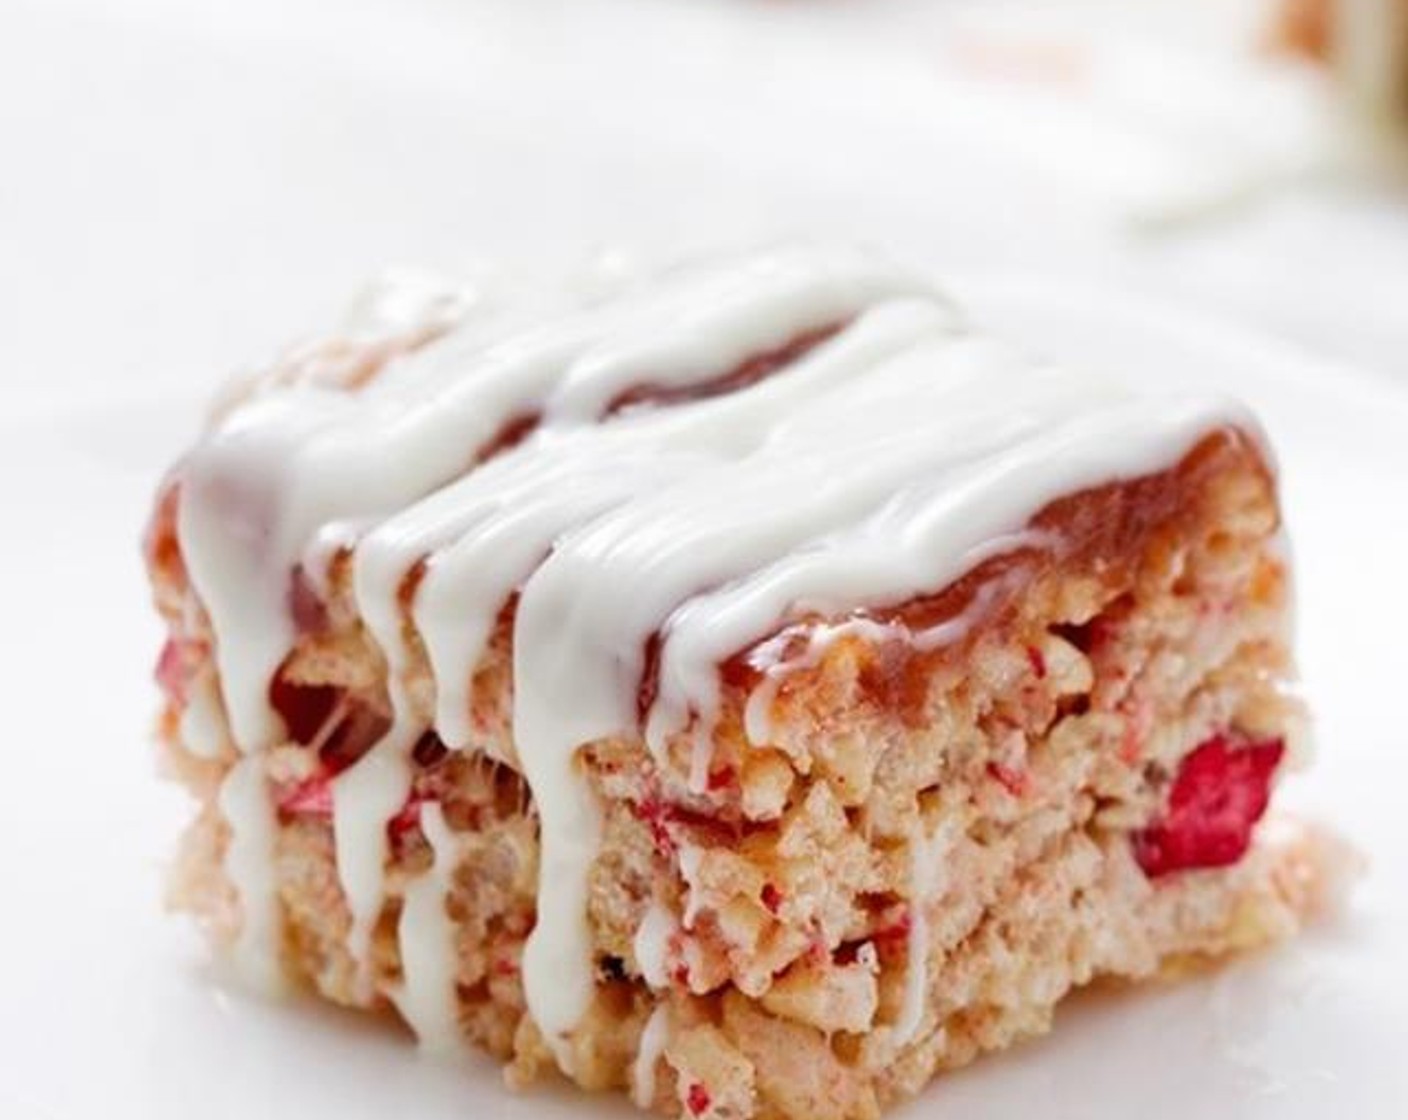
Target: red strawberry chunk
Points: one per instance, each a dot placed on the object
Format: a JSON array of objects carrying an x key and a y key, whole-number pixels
[
  {"x": 1011, "y": 779},
  {"x": 312, "y": 798},
  {"x": 305, "y": 606},
  {"x": 177, "y": 664},
  {"x": 1221, "y": 790},
  {"x": 721, "y": 779},
  {"x": 656, "y": 816},
  {"x": 408, "y": 818},
  {"x": 697, "y": 1099},
  {"x": 896, "y": 933},
  {"x": 304, "y": 708}
]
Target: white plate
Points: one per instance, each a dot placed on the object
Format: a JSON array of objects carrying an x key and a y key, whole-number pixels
[{"x": 107, "y": 1010}]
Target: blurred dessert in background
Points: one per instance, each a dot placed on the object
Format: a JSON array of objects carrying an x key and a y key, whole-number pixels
[{"x": 1365, "y": 45}]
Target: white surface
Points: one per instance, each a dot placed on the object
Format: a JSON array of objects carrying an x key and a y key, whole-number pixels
[
  {"x": 185, "y": 185},
  {"x": 108, "y": 1012}
]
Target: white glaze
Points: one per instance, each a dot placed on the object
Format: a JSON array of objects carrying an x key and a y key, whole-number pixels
[
  {"x": 364, "y": 798},
  {"x": 884, "y": 463},
  {"x": 652, "y": 945},
  {"x": 429, "y": 962},
  {"x": 653, "y": 1040},
  {"x": 690, "y": 860},
  {"x": 203, "y": 722},
  {"x": 249, "y": 865}
]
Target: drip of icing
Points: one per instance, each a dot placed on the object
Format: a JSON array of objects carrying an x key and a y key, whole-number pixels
[
  {"x": 652, "y": 945},
  {"x": 429, "y": 961},
  {"x": 701, "y": 757},
  {"x": 690, "y": 860},
  {"x": 203, "y": 722},
  {"x": 881, "y": 465},
  {"x": 249, "y": 865},
  {"x": 653, "y": 1040},
  {"x": 370, "y": 792},
  {"x": 364, "y": 798}
]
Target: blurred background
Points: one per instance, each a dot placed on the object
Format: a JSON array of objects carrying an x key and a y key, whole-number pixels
[{"x": 184, "y": 186}]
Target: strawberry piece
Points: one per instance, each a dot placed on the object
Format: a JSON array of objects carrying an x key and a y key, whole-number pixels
[
  {"x": 312, "y": 798},
  {"x": 697, "y": 1099},
  {"x": 655, "y": 814},
  {"x": 1011, "y": 779},
  {"x": 722, "y": 778},
  {"x": 430, "y": 751},
  {"x": 175, "y": 667},
  {"x": 664, "y": 818},
  {"x": 304, "y": 708},
  {"x": 407, "y": 819},
  {"x": 305, "y": 606},
  {"x": 894, "y": 936},
  {"x": 1222, "y": 789}
]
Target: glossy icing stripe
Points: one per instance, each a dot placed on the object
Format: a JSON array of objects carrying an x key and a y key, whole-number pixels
[
  {"x": 244, "y": 802},
  {"x": 653, "y": 1040},
  {"x": 429, "y": 962}
]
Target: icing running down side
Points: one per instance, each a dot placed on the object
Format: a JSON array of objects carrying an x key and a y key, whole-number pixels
[{"x": 871, "y": 450}]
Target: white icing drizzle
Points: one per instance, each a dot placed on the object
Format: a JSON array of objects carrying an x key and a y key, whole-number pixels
[
  {"x": 249, "y": 865},
  {"x": 690, "y": 859},
  {"x": 429, "y": 961},
  {"x": 370, "y": 793},
  {"x": 882, "y": 464},
  {"x": 364, "y": 798},
  {"x": 203, "y": 721},
  {"x": 653, "y": 1040},
  {"x": 258, "y": 489},
  {"x": 652, "y": 945}
]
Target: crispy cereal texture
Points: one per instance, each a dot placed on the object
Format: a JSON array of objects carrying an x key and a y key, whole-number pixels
[{"x": 926, "y": 854}]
